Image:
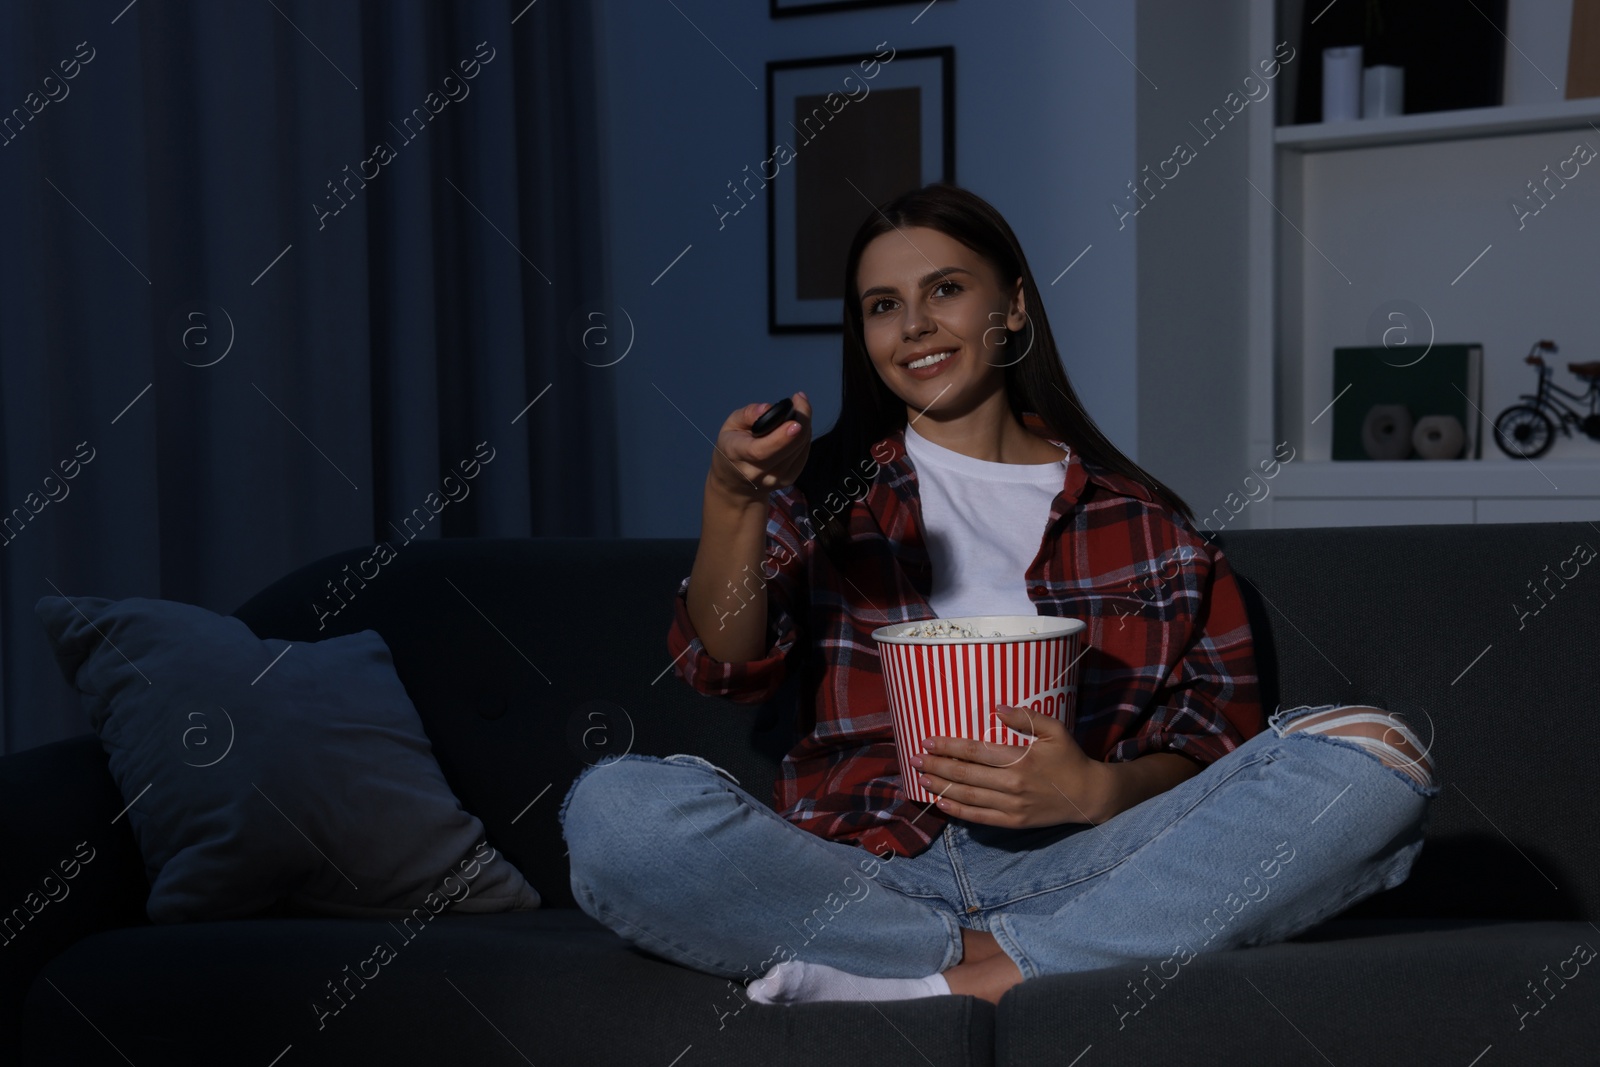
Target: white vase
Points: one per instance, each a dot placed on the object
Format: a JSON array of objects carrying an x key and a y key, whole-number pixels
[
  {"x": 1341, "y": 83},
  {"x": 1383, "y": 91},
  {"x": 1438, "y": 437}
]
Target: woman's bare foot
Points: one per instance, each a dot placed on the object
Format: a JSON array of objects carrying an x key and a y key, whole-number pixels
[
  {"x": 985, "y": 971},
  {"x": 978, "y": 945}
]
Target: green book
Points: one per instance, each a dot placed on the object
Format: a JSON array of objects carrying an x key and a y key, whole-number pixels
[{"x": 1448, "y": 380}]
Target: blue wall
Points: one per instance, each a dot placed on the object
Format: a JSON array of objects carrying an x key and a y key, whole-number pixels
[{"x": 1044, "y": 131}]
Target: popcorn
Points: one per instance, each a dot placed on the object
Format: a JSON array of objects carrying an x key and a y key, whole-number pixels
[{"x": 943, "y": 628}]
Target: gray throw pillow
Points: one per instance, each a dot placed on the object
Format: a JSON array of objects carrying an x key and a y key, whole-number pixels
[{"x": 271, "y": 773}]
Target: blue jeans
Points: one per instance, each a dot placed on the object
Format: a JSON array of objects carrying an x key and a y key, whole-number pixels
[{"x": 1268, "y": 841}]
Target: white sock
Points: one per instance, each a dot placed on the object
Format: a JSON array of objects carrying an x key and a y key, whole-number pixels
[{"x": 795, "y": 982}]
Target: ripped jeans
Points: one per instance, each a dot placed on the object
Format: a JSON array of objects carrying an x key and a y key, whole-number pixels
[{"x": 1284, "y": 832}]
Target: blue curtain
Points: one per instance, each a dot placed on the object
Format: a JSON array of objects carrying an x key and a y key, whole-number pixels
[{"x": 279, "y": 278}]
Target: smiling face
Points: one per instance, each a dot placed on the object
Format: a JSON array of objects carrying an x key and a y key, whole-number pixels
[{"x": 923, "y": 292}]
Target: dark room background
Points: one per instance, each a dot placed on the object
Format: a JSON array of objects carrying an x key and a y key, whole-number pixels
[
  {"x": 271, "y": 271},
  {"x": 267, "y": 277}
]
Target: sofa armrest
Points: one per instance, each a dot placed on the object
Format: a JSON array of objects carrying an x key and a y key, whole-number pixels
[{"x": 69, "y": 870}]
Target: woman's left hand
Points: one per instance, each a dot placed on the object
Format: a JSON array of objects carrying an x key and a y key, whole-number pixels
[{"x": 1047, "y": 783}]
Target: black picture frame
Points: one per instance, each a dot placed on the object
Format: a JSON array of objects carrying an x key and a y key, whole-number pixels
[
  {"x": 785, "y": 8},
  {"x": 903, "y": 141}
]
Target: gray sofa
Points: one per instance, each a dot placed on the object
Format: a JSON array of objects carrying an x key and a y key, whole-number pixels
[{"x": 563, "y": 659}]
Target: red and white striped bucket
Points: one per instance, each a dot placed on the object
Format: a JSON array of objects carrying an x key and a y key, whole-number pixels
[{"x": 948, "y": 686}]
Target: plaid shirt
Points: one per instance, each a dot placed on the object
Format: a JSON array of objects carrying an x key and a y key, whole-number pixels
[{"x": 1170, "y": 665}]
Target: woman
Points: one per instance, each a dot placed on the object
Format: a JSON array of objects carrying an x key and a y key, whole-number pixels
[{"x": 961, "y": 478}]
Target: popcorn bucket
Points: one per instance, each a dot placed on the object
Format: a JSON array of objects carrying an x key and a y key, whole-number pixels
[{"x": 944, "y": 677}]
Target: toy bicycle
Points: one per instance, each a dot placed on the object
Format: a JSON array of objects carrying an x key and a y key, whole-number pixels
[{"x": 1526, "y": 431}]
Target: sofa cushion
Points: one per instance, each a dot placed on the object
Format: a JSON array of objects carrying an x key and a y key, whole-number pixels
[
  {"x": 1425, "y": 997},
  {"x": 1430, "y": 621},
  {"x": 546, "y": 987},
  {"x": 529, "y": 660},
  {"x": 259, "y": 772}
]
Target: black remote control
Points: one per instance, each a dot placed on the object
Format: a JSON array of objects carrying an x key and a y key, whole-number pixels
[{"x": 772, "y": 418}]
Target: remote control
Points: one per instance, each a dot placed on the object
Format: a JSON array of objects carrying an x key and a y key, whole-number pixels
[{"x": 772, "y": 418}]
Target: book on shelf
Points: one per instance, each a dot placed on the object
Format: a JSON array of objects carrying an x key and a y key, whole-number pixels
[{"x": 1447, "y": 380}]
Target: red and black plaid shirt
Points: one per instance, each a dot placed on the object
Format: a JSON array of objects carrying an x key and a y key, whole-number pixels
[{"x": 1170, "y": 665}]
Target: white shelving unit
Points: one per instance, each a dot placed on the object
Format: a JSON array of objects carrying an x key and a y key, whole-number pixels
[
  {"x": 1440, "y": 126},
  {"x": 1375, "y": 494},
  {"x": 1349, "y": 216}
]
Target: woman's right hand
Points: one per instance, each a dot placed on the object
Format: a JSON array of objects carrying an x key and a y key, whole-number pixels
[{"x": 747, "y": 467}]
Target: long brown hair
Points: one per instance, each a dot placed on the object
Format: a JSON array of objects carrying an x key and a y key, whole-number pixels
[{"x": 870, "y": 410}]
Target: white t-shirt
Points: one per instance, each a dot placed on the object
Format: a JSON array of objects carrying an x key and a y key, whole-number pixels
[{"x": 983, "y": 523}]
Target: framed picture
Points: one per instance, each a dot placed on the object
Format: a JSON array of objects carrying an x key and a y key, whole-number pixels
[
  {"x": 780, "y": 8},
  {"x": 845, "y": 133}
]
